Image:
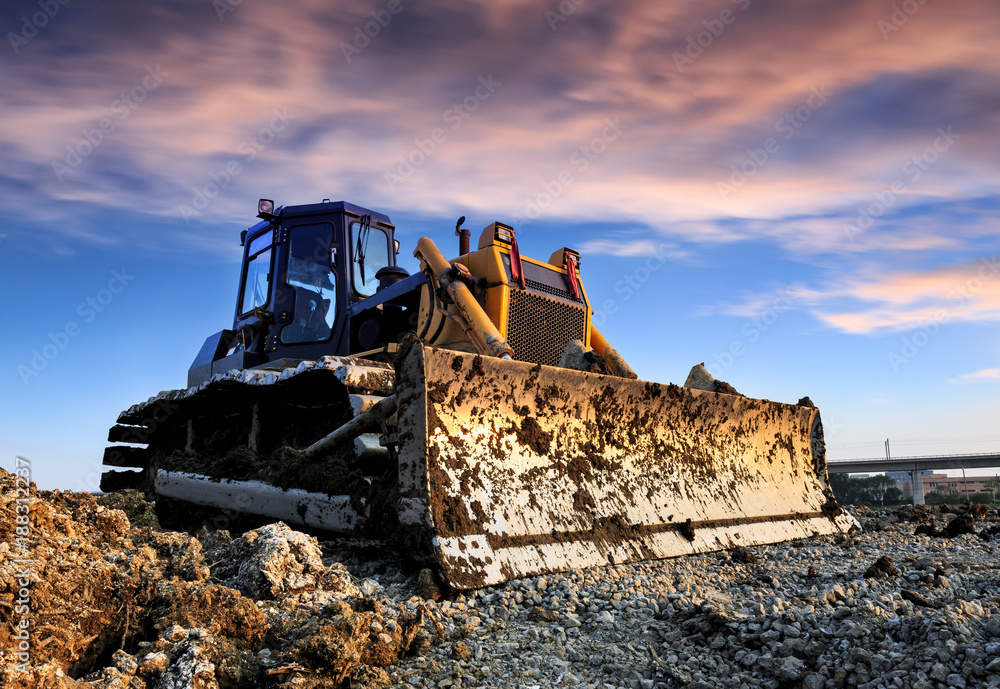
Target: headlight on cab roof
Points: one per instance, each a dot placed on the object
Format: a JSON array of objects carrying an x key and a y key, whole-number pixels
[{"x": 265, "y": 209}]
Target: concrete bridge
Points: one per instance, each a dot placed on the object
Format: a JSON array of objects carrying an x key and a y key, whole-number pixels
[{"x": 915, "y": 465}]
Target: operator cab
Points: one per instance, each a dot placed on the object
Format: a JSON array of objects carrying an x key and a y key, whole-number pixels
[{"x": 306, "y": 270}]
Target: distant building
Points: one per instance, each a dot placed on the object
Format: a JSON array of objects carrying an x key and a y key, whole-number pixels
[{"x": 944, "y": 484}]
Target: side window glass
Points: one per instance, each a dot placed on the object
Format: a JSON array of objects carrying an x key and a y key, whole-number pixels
[
  {"x": 256, "y": 290},
  {"x": 314, "y": 284},
  {"x": 370, "y": 252}
]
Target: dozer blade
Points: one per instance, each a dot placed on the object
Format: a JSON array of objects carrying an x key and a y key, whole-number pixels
[{"x": 517, "y": 470}]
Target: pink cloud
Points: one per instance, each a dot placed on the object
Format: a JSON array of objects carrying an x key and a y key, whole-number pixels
[{"x": 980, "y": 376}]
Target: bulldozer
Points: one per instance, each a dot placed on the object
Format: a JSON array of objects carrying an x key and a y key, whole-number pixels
[{"x": 470, "y": 414}]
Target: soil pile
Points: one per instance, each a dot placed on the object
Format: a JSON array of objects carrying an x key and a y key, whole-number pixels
[
  {"x": 108, "y": 604},
  {"x": 116, "y": 606}
]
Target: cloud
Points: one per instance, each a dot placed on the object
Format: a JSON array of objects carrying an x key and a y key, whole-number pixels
[
  {"x": 968, "y": 292},
  {"x": 356, "y": 119},
  {"x": 632, "y": 247},
  {"x": 887, "y": 302},
  {"x": 986, "y": 375}
]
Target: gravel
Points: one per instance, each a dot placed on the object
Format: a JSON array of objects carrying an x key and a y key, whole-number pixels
[
  {"x": 882, "y": 609},
  {"x": 794, "y": 614}
]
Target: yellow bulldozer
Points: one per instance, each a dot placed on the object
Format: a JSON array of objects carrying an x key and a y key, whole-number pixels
[{"x": 469, "y": 414}]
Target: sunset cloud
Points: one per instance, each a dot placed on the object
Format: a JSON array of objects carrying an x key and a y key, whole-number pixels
[
  {"x": 895, "y": 302},
  {"x": 362, "y": 105}
]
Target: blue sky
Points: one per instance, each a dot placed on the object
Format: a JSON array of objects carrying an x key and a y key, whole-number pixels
[{"x": 800, "y": 194}]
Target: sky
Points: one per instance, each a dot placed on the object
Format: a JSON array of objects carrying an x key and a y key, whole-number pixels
[{"x": 801, "y": 194}]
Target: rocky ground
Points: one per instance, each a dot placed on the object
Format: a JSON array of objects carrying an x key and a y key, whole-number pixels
[{"x": 115, "y": 602}]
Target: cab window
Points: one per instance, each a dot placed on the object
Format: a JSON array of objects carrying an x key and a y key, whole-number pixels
[
  {"x": 256, "y": 274},
  {"x": 370, "y": 253},
  {"x": 313, "y": 283}
]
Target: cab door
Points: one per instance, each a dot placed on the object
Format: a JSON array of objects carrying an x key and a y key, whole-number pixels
[{"x": 309, "y": 295}]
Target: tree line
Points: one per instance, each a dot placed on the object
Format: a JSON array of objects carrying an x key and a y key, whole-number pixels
[{"x": 881, "y": 491}]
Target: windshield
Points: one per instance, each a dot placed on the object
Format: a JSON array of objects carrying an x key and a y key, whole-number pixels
[
  {"x": 258, "y": 269},
  {"x": 373, "y": 255}
]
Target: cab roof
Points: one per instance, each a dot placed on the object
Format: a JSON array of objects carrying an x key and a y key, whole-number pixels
[{"x": 322, "y": 207}]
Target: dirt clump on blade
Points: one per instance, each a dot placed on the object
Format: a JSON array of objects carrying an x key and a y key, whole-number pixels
[{"x": 111, "y": 605}]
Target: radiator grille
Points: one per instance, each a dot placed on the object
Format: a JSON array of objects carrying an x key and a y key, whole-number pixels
[
  {"x": 548, "y": 289},
  {"x": 539, "y": 328}
]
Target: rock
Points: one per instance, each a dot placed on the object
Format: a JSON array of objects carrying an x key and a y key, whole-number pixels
[
  {"x": 993, "y": 625},
  {"x": 125, "y": 662},
  {"x": 792, "y": 668},
  {"x": 461, "y": 651},
  {"x": 860, "y": 656},
  {"x": 274, "y": 560},
  {"x": 813, "y": 681},
  {"x": 153, "y": 663},
  {"x": 939, "y": 672},
  {"x": 369, "y": 587},
  {"x": 700, "y": 379},
  {"x": 917, "y": 599}
]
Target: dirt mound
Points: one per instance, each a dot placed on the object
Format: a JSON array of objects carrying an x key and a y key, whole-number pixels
[
  {"x": 882, "y": 567},
  {"x": 140, "y": 512},
  {"x": 960, "y": 524},
  {"x": 916, "y": 514},
  {"x": 975, "y": 510},
  {"x": 107, "y": 604}
]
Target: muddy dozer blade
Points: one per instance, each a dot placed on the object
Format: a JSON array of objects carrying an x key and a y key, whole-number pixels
[{"x": 516, "y": 470}]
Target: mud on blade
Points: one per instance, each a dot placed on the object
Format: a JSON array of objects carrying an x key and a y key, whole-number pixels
[{"x": 518, "y": 469}]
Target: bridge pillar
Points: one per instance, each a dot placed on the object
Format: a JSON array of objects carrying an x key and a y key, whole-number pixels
[{"x": 917, "y": 483}]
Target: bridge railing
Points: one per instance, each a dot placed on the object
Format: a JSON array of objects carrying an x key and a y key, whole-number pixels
[{"x": 912, "y": 458}]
